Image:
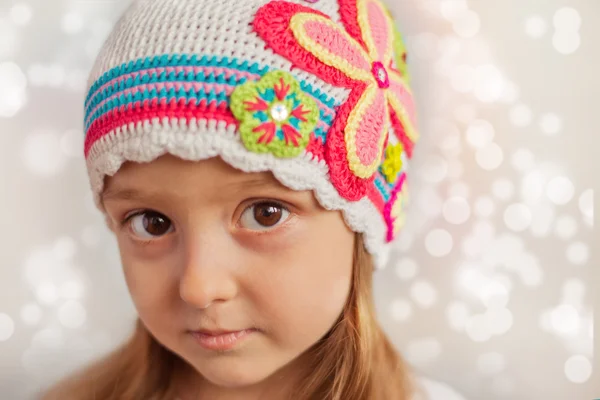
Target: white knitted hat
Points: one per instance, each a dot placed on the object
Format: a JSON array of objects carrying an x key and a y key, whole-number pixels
[{"x": 315, "y": 91}]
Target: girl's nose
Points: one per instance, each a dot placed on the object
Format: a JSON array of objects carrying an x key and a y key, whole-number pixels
[{"x": 208, "y": 273}]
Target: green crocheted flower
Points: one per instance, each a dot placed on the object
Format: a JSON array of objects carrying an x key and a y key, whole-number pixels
[
  {"x": 399, "y": 50},
  {"x": 275, "y": 115}
]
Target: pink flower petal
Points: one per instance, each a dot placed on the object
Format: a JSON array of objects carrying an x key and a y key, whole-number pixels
[
  {"x": 377, "y": 30},
  {"x": 332, "y": 45},
  {"x": 366, "y": 132}
]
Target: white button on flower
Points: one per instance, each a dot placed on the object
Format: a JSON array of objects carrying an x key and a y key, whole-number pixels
[{"x": 280, "y": 112}]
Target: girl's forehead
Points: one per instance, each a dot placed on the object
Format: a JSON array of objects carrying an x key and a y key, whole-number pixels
[{"x": 169, "y": 175}]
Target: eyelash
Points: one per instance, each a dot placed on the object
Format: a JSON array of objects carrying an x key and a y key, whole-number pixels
[{"x": 129, "y": 217}]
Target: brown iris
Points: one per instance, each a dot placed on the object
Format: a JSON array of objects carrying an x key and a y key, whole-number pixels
[
  {"x": 156, "y": 224},
  {"x": 268, "y": 214}
]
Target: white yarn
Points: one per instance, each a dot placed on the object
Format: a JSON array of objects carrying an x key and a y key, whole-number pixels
[
  {"x": 221, "y": 28},
  {"x": 180, "y": 138}
]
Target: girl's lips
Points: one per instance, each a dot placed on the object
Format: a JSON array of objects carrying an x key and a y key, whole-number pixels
[{"x": 221, "y": 341}]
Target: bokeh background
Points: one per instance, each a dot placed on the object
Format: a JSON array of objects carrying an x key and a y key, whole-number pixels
[{"x": 491, "y": 286}]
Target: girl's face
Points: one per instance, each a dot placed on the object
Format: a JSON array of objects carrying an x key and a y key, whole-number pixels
[{"x": 207, "y": 247}]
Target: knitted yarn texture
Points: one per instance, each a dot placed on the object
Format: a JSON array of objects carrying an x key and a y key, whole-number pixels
[{"x": 317, "y": 92}]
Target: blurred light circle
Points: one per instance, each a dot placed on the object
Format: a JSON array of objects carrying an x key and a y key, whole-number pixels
[
  {"x": 423, "y": 293},
  {"x": 484, "y": 206},
  {"x": 480, "y": 133},
  {"x": 65, "y": 248},
  {"x": 499, "y": 320},
  {"x": 73, "y": 289},
  {"x": 37, "y": 75},
  {"x": 578, "y": 369},
  {"x": 573, "y": 291},
  {"x": 471, "y": 246},
  {"x": 586, "y": 203},
  {"x": 423, "y": 45},
  {"x": 72, "y": 22},
  {"x": 517, "y": 217},
  {"x": 565, "y": 320},
  {"x": 406, "y": 269},
  {"x": 536, "y": 26},
  {"x": 578, "y": 253},
  {"x": 489, "y": 83},
  {"x": 451, "y": 9},
  {"x": 467, "y": 24},
  {"x": 455, "y": 168},
  {"x": 511, "y": 93},
  {"x": 567, "y": 19},
  {"x": 47, "y": 293},
  {"x": 551, "y": 124},
  {"x": 530, "y": 271},
  {"x": 566, "y": 227},
  {"x": 72, "y": 314},
  {"x": 42, "y": 154},
  {"x": 13, "y": 84},
  {"x": 457, "y": 314},
  {"x": 463, "y": 78},
  {"x": 494, "y": 295},
  {"x": 92, "y": 235},
  {"x": 9, "y": 41},
  {"x": 477, "y": 328},
  {"x": 423, "y": 351},
  {"x": 523, "y": 160},
  {"x": 465, "y": 113},
  {"x": 429, "y": 202},
  {"x": 438, "y": 243},
  {"x": 71, "y": 143},
  {"x": 560, "y": 190},
  {"x": 521, "y": 115},
  {"x": 31, "y": 314},
  {"x": 48, "y": 338},
  {"x": 489, "y": 157},
  {"x": 543, "y": 218},
  {"x": 459, "y": 189},
  {"x": 491, "y": 363},
  {"x": 21, "y": 14},
  {"x": 456, "y": 210},
  {"x": 532, "y": 187},
  {"x": 56, "y": 75},
  {"x": 7, "y": 327},
  {"x": 566, "y": 42},
  {"x": 401, "y": 310},
  {"x": 434, "y": 169},
  {"x": 76, "y": 80},
  {"x": 503, "y": 189},
  {"x": 484, "y": 229}
]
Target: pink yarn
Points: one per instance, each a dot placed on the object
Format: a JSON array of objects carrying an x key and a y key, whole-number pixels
[
  {"x": 337, "y": 44},
  {"x": 372, "y": 127}
]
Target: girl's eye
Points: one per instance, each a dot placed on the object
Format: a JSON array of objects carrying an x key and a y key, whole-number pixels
[
  {"x": 150, "y": 225},
  {"x": 264, "y": 216}
]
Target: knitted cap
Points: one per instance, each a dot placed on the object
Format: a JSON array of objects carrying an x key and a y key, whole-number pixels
[{"x": 315, "y": 91}]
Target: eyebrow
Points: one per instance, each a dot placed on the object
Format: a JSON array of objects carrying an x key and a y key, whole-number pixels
[{"x": 125, "y": 194}]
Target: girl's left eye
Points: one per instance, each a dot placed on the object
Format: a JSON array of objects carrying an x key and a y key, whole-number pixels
[
  {"x": 150, "y": 224},
  {"x": 264, "y": 216}
]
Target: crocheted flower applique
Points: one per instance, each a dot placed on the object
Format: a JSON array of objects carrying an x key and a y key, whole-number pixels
[
  {"x": 275, "y": 115},
  {"x": 395, "y": 211},
  {"x": 358, "y": 54},
  {"x": 392, "y": 164}
]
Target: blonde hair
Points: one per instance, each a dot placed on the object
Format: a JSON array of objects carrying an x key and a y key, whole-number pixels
[{"x": 354, "y": 361}]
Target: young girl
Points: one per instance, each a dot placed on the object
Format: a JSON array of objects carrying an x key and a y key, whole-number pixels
[{"x": 250, "y": 158}]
